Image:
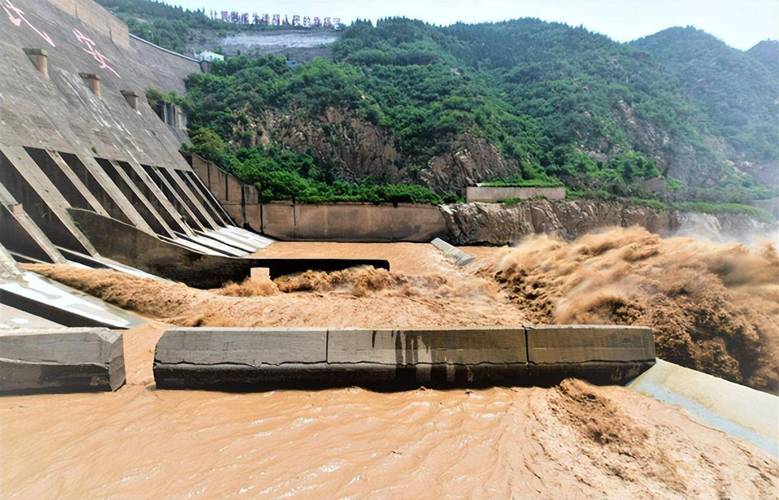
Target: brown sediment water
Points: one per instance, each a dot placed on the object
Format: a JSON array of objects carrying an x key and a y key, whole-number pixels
[
  {"x": 574, "y": 440},
  {"x": 363, "y": 297},
  {"x": 571, "y": 440},
  {"x": 713, "y": 307}
]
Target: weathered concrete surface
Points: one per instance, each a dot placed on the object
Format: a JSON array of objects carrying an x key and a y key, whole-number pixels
[
  {"x": 495, "y": 194},
  {"x": 589, "y": 343},
  {"x": 8, "y": 267},
  {"x": 352, "y": 222},
  {"x": 51, "y": 300},
  {"x": 453, "y": 253},
  {"x": 732, "y": 408},
  {"x": 239, "y": 357},
  {"x": 230, "y": 358},
  {"x": 598, "y": 353},
  {"x": 66, "y": 181},
  {"x": 40, "y": 198},
  {"x": 132, "y": 192},
  {"x": 11, "y": 317},
  {"x": 156, "y": 197},
  {"x": 447, "y": 357},
  {"x": 127, "y": 245},
  {"x": 61, "y": 113},
  {"x": 18, "y": 232},
  {"x": 57, "y": 360},
  {"x": 452, "y": 346},
  {"x": 360, "y": 222}
]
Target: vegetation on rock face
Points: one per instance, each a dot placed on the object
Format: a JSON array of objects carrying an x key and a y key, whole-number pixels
[
  {"x": 407, "y": 103},
  {"x": 738, "y": 93}
]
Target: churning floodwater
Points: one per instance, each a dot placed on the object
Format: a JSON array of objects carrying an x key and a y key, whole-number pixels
[{"x": 542, "y": 442}]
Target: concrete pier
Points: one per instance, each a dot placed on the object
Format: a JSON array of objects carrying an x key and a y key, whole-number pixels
[
  {"x": 272, "y": 358},
  {"x": 61, "y": 360}
]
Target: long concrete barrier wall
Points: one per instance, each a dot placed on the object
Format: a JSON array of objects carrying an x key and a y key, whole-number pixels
[
  {"x": 352, "y": 222},
  {"x": 245, "y": 359}
]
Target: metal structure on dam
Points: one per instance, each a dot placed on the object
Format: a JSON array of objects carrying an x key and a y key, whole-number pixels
[{"x": 91, "y": 176}]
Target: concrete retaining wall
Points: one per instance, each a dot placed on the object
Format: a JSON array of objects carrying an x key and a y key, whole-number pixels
[
  {"x": 352, "y": 222},
  {"x": 495, "y": 194},
  {"x": 61, "y": 360},
  {"x": 325, "y": 221},
  {"x": 240, "y": 358},
  {"x": 135, "y": 248}
]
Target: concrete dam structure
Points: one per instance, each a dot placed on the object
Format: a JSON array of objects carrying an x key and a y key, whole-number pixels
[
  {"x": 92, "y": 177},
  {"x": 89, "y": 173}
]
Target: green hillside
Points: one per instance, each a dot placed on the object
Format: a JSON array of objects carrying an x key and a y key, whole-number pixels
[
  {"x": 409, "y": 111},
  {"x": 556, "y": 103},
  {"x": 736, "y": 91}
]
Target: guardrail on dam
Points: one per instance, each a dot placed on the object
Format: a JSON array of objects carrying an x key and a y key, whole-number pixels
[{"x": 304, "y": 358}]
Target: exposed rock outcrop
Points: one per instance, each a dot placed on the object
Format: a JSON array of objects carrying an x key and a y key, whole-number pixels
[
  {"x": 467, "y": 161},
  {"x": 354, "y": 147},
  {"x": 358, "y": 150},
  {"x": 496, "y": 224}
]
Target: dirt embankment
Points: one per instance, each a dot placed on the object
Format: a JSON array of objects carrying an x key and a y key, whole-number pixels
[{"x": 713, "y": 307}]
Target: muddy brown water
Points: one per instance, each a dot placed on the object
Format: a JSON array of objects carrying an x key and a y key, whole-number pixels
[{"x": 573, "y": 440}]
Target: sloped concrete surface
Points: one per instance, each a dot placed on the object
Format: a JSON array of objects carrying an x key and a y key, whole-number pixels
[
  {"x": 61, "y": 360},
  {"x": 734, "y": 409},
  {"x": 51, "y": 300},
  {"x": 453, "y": 253},
  {"x": 10, "y": 317}
]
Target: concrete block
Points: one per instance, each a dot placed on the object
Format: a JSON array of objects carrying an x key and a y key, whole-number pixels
[
  {"x": 587, "y": 343},
  {"x": 260, "y": 274},
  {"x": 244, "y": 346},
  {"x": 230, "y": 358},
  {"x": 449, "y": 357},
  {"x": 61, "y": 360},
  {"x": 449, "y": 346},
  {"x": 239, "y": 357},
  {"x": 453, "y": 253}
]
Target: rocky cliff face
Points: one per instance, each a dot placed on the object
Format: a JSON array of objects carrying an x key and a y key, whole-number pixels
[
  {"x": 496, "y": 224},
  {"x": 359, "y": 150},
  {"x": 468, "y": 160},
  {"x": 354, "y": 147}
]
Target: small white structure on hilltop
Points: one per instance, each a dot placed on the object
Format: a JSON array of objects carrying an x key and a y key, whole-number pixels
[{"x": 209, "y": 56}]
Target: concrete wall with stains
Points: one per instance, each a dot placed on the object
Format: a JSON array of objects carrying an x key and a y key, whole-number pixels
[
  {"x": 61, "y": 112},
  {"x": 322, "y": 221}
]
